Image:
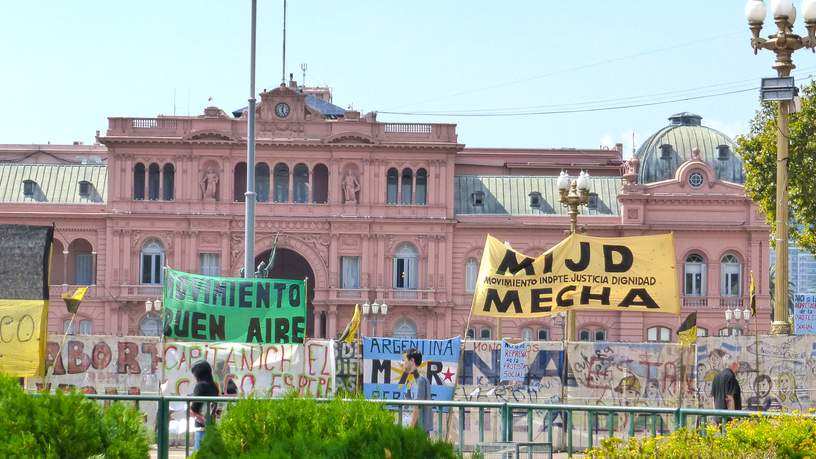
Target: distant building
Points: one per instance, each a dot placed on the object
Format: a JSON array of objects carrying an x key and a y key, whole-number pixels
[
  {"x": 372, "y": 211},
  {"x": 802, "y": 268}
]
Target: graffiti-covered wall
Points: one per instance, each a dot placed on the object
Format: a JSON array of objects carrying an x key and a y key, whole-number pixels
[
  {"x": 101, "y": 364},
  {"x": 775, "y": 372},
  {"x": 633, "y": 374}
]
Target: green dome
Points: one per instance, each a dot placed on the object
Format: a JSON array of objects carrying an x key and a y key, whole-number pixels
[{"x": 662, "y": 153}]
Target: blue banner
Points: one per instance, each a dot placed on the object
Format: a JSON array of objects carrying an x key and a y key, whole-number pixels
[{"x": 383, "y": 376}]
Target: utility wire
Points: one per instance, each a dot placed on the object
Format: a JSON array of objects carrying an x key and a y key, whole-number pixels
[
  {"x": 578, "y": 110},
  {"x": 729, "y": 85},
  {"x": 505, "y": 84}
]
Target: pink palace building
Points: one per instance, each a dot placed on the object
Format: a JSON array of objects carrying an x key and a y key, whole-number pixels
[{"x": 373, "y": 211}]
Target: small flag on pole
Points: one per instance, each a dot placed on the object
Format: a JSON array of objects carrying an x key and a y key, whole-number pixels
[
  {"x": 72, "y": 301},
  {"x": 687, "y": 333},
  {"x": 752, "y": 292},
  {"x": 353, "y": 327}
]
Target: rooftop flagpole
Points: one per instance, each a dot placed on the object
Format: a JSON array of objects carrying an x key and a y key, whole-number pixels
[{"x": 249, "y": 218}]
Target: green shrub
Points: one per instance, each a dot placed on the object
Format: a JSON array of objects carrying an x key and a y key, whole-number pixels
[
  {"x": 66, "y": 426},
  {"x": 303, "y": 428},
  {"x": 756, "y": 437}
]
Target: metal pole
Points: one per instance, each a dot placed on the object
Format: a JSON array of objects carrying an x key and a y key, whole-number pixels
[
  {"x": 780, "y": 325},
  {"x": 571, "y": 318},
  {"x": 283, "y": 59},
  {"x": 249, "y": 218}
]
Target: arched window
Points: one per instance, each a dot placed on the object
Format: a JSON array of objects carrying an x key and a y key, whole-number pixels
[
  {"x": 527, "y": 334},
  {"x": 405, "y": 329},
  {"x": 471, "y": 273},
  {"x": 281, "y": 182},
  {"x": 80, "y": 262},
  {"x": 724, "y": 332},
  {"x": 320, "y": 187},
  {"x": 543, "y": 334},
  {"x": 658, "y": 334},
  {"x": 407, "y": 186},
  {"x": 139, "y": 181},
  {"x": 485, "y": 333},
  {"x": 239, "y": 182},
  {"x": 153, "y": 180},
  {"x": 471, "y": 333},
  {"x": 586, "y": 334},
  {"x": 406, "y": 269},
  {"x": 262, "y": 182},
  {"x": 702, "y": 332},
  {"x": 421, "y": 187},
  {"x": 150, "y": 325},
  {"x": 694, "y": 275},
  {"x": 391, "y": 187},
  {"x": 152, "y": 261},
  {"x": 730, "y": 276},
  {"x": 300, "y": 175},
  {"x": 168, "y": 179}
]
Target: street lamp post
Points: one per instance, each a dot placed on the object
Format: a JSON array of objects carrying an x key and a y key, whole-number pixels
[
  {"x": 783, "y": 44},
  {"x": 740, "y": 319},
  {"x": 574, "y": 194},
  {"x": 374, "y": 312}
]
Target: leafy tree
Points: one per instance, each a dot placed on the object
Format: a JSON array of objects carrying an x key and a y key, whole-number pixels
[{"x": 758, "y": 152}]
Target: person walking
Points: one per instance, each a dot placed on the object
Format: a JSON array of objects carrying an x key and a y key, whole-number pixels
[
  {"x": 205, "y": 387},
  {"x": 417, "y": 388},
  {"x": 725, "y": 389}
]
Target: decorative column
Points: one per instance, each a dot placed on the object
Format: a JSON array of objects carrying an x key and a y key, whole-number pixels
[
  {"x": 311, "y": 185},
  {"x": 331, "y": 328}
]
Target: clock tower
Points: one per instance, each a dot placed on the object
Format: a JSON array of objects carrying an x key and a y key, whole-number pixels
[{"x": 284, "y": 104}]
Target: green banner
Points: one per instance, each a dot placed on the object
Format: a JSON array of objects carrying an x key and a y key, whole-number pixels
[{"x": 236, "y": 310}]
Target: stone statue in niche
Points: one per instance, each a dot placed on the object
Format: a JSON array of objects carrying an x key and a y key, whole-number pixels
[
  {"x": 209, "y": 185},
  {"x": 350, "y": 188}
]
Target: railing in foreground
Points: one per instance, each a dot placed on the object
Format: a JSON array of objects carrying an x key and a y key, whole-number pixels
[{"x": 584, "y": 422}]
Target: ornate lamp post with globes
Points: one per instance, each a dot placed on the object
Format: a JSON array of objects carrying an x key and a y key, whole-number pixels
[
  {"x": 574, "y": 194},
  {"x": 373, "y": 312},
  {"x": 782, "y": 89}
]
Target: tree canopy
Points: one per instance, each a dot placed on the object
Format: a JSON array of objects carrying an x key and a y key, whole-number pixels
[{"x": 758, "y": 152}]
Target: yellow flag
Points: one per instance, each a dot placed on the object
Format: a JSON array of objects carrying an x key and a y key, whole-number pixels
[
  {"x": 687, "y": 333},
  {"x": 752, "y": 290},
  {"x": 579, "y": 273},
  {"x": 353, "y": 327},
  {"x": 72, "y": 301}
]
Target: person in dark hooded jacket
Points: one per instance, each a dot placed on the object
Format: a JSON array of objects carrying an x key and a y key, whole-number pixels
[{"x": 205, "y": 387}]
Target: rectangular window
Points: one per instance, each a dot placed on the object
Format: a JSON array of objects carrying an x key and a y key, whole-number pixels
[
  {"x": 349, "y": 272},
  {"x": 405, "y": 273},
  {"x": 152, "y": 268},
  {"x": 694, "y": 281},
  {"x": 86, "y": 327},
  {"x": 210, "y": 264},
  {"x": 84, "y": 267}
]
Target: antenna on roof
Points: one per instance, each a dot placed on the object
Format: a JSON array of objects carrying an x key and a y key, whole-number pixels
[
  {"x": 283, "y": 65},
  {"x": 303, "y": 69},
  {"x": 174, "y": 101},
  {"x": 633, "y": 143}
]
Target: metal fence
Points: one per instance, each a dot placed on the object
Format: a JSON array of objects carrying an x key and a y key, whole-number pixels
[{"x": 578, "y": 426}]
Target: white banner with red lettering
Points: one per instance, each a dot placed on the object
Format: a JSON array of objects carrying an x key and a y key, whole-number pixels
[{"x": 259, "y": 369}]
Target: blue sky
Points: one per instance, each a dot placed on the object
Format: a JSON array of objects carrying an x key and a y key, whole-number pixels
[{"x": 69, "y": 65}]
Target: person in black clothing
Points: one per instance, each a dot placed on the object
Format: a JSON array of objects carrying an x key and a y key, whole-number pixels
[
  {"x": 205, "y": 387},
  {"x": 725, "y": 389}
]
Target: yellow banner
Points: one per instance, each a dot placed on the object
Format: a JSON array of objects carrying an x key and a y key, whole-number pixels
[
  {"x": 579, "y": 273},
  {"x": 23, "y": 329}
]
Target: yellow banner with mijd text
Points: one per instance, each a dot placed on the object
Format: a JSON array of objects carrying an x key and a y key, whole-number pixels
[
  {"x": 23, "y": 331},
  {"x": 580, "y": 273}
]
